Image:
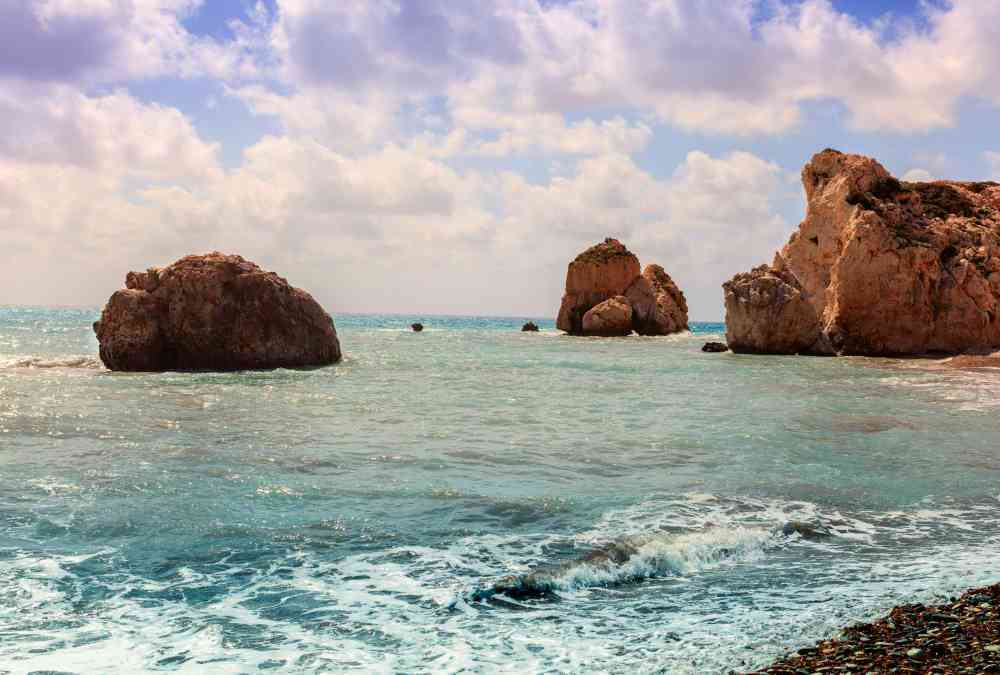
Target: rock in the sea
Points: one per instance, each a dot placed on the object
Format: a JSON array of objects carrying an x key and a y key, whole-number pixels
[
  {"x": 606, "y": 271},
  {"x": 609, "y": 318},
  {"x": 601, "y": 272},
  {"x": 767, "y": 312},
  {"x": 213, "y": 312},
  {"x": 878, "y": 267},
  {"x": 417, "y": 327},
  {"x": 530, "y": 327},
  {"x": 715, "y": 347},
  {"x": 659, "y": 306}
]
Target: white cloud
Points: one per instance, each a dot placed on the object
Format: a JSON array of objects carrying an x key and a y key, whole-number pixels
[
  {"x": 384, "y": 189},
  {"x": 716, "y": 67},
  {"x": 113, "y": 135},
  {"x": 100, "y": 41},
  {"x": 328, "y": 116},
  {"x": 390, "y": 228},
  {"x": 918, "y": 176}
]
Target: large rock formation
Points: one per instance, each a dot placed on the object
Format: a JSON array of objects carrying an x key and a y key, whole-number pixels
[
  {"x": 877, "y": 267},
  {"x": 598, "y": 274},
  {"x": 660, "y": 307},
  {"x": 213, "y": 312},
  {"x": 604, "y": 284}
]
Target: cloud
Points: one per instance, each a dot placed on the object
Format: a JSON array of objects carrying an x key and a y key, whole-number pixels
[
  {"x": 333, "y": 118},
  {"x": 385, "y": 229},
  {"x": 101, "y": 41},
  {"x": 736, "y": 68},
  {"x": 409, "y": 44},
  {"x": 549, "y": 134},
  {"x": 112, "y": 135},
  {"x": 391, "y": 184},
  {"x": 918, "y": 176}
]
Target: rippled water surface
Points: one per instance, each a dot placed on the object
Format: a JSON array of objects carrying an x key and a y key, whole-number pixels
[{"x": 353, "y": 517}]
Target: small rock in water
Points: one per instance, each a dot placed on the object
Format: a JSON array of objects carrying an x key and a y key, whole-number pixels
[
  {"x": 530, "y": 327},
  {"x": 417, "y": 327},
  {"x": 715, "y": 347}
]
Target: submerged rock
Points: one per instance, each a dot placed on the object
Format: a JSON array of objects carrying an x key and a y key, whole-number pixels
[
  {"x": 213, "y": 312},
  {"x": 530, "y": 327},
  {"x": 878, "y": 267},
  {"x": 715, "y": 347},
  {"x": 417, "y": 327},
  {"x": 610, "y": 272}
]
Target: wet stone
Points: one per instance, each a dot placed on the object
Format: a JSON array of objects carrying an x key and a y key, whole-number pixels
[{"x": 962, "y": 636}]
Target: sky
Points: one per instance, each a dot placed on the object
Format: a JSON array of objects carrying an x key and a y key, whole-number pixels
[{"x": 446, "y": 156}]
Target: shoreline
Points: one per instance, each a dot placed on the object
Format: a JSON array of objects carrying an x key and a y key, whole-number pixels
[{"x": 958, "y": 636}]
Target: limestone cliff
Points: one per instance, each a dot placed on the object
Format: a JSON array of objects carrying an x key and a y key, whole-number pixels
[{"x": 878, "y": 267}]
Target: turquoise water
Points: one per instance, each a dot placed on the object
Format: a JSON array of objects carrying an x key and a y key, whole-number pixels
[{"x": 343, "y": 518}]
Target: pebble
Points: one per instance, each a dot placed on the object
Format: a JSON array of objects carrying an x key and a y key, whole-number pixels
[{"x": 962, "y": 636}]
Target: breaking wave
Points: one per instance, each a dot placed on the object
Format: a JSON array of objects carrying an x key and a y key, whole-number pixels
[{"x": 638, "y": 559}]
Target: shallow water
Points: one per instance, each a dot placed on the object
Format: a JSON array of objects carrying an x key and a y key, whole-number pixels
[{"x": 345, "y": 518}]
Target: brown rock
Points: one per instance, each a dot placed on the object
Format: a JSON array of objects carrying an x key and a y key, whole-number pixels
[
  {"x": 887, "y": 268},
  {"x": 768, "y": 312},
  {"x": 213, "y": 312},
  {"x": 659, "y": 305},
  {"x": 599, "y": 273},
  {"x": 609, "y": 270},
  {"x": 609, "y": 318}
]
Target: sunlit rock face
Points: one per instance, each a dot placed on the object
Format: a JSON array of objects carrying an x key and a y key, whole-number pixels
[
  {"x": 878, "y": 267},
  {"x": 604, "y": 283},
  {"x": 213, "y": 312}
]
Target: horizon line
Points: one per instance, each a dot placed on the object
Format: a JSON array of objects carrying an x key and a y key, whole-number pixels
[{"x": 333, "y": 314}]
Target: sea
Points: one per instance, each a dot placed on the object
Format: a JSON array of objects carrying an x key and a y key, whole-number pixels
[{"x": 368, "y": 516}]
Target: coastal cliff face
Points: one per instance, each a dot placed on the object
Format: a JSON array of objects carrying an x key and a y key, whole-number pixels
[
  {"x": 606, "y": 295},
  {"x": 213, "y": 312},
  {"x": 878, "y": 267}
]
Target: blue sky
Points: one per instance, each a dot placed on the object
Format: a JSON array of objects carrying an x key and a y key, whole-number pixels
[{"x": 443, "y": 156}]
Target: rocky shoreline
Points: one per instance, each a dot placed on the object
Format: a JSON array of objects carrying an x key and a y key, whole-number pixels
[{"x": 959, "y": 636}]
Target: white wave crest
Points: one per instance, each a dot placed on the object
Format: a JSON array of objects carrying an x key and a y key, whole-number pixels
[{"x": 665, "y": 555}]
